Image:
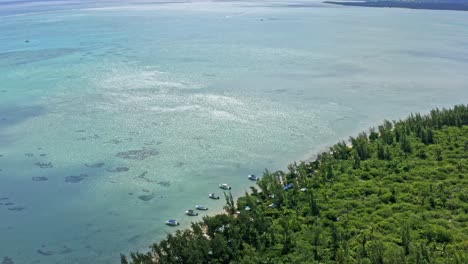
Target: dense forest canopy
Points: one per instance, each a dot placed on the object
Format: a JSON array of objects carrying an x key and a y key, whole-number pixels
[{"x": 396, "y": 194}]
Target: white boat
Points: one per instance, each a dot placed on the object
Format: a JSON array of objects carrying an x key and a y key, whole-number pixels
[
  {"x": 224, "y": 186},
  {"x": 191, "y": 213},
  {"x": 172, "y": 222},
  {"x": 201, "y": 207},
  {"x": 253, "y": 177},
  {"x": 214, "y": 196}
]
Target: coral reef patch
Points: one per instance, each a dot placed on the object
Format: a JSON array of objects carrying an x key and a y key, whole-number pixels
[
  {"x": 45, "y": 252},
  {"x": 75, "y": 179},
  {"x": 142, "y": 177},
  {"x": 16, "y": 208},
  {"x": 39, "y": 178},
  {"x": 95, "y": 165},
  {"x": 118, "y": 169},
  {"x": 7, "y": 260},
  {"x": 44, "y": 165},
  {"x": 140, "y": 154},
  {"x": 146, "y": 197},
  {"x": 164, "y": 183}
]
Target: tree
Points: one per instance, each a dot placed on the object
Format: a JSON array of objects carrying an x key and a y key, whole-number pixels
[
  {"x": 380, "y": 151},
  {"x": 406, "y": 238},
  {"x": 405, "y": 144},
  {"x": 230, "y": 207},
  {"x": 123, "y": 259},
  {"x": 336, "y": 240},
  {"x": 357, "y": 160},
  {"x": 373, "y": 135},
  {"x": 387, "y": 153},
  {"x": 430, "y": 136},
  {"x": 422, "y": 154},
  {"x": 314, "y": 209},
  {"x": 438, "y": 153},
  {"x": 376, "y": 252},
  {"x": 360, "y": 144}
]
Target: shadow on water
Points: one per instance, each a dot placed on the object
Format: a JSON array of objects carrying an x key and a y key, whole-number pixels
[
  {"x": 11, "y": 115},
  {"x": 57, "y": 190},
  {"x": 31, "y": 56}
]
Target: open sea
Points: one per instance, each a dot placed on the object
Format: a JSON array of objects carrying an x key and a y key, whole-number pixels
[{"x": 116, "y": 116}]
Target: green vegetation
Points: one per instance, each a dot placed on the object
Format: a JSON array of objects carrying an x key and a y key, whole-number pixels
[{"x": 398, "y": 195}]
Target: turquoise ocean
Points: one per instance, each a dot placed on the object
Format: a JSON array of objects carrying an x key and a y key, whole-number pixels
[{"x": 116, "y": 116}]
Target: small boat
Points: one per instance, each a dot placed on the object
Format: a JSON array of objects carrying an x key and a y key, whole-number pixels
[
  {"x": 201, "y": 207},
  {"x": 191, "y": 213},
  {"x": 214, "y": 196},
  {"x": 253, "y": 177},
  {"x": 224, "y": 186},
  {"x": 172, "y": 222}
]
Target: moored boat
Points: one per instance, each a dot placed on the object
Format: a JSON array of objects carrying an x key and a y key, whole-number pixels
[
  {"x": 191, "y": 213},
  {"x": 201, "y": 207},
  {"x": 172, "y": 222},
  {"x": 253, "y": 177},
  {"x": 225, "y": 186},
  {"x": 213, "y": 196}
]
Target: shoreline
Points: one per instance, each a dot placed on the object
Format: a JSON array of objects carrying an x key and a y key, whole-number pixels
[
  {"x": 446, "y": 6},
  {"x": 325, "y": 147},
  {"x": 297, "y": 212}
]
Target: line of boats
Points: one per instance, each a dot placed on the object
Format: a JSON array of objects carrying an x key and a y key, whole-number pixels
[{"x": 191, "y": 212}]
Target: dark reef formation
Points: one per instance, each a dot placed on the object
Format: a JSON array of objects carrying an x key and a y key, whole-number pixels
[
  {"x": 45, "y": 252},
  {"x": 140, "y": 154},
  {"x": 16, "y": 208},
  {"x": 164, "y": 183},
  {"x": 113, "y": 141},
  {"x": 7, "y": 260},
  {"x": 95, "y": 165},
  {"x": 146, "y": 197},
  {"x": 142, "y": 177},
  {"x": 75, "y": 179},
  {"x": 44, "y": 165},
  {"x": 39, "y": 178},
  {"x": 95, "y": 136},
  {"x": 118, "y": 169}
]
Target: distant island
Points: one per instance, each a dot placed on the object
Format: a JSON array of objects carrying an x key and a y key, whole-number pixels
[
  {"x": 431, "y": 5},
  {"x": 397, "y": 193}
]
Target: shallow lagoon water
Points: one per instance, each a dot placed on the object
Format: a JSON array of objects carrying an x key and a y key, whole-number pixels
[{"x": 115, "y": 119}]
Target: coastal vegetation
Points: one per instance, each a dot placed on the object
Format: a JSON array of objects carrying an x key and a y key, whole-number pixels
[
  {"x": 458, "y": 5},
  {"x": 396, "y": 194}
]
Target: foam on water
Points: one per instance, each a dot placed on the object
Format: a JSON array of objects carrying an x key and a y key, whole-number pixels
[{"x": 115, "y": 119}]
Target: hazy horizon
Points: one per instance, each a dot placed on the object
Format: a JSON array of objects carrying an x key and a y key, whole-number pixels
[{"x": 115, "y": 119}]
